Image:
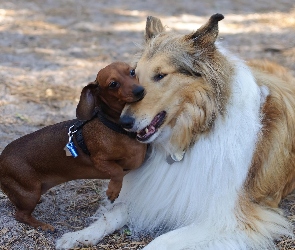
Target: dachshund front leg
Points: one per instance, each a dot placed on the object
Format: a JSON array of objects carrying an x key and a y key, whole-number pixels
[{"x": 115, "y": 173}]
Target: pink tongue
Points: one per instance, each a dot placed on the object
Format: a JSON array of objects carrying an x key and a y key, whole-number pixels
[{"x": 152, "y": 130}]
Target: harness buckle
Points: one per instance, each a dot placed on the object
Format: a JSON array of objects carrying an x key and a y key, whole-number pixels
[{"x": 70, "y": 147}]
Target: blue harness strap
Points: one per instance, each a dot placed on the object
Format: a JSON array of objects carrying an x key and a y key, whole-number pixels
[{"x": 78, "y": 127}]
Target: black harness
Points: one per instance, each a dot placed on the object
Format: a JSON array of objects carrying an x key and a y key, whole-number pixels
[{"x": 77, "y": 128}]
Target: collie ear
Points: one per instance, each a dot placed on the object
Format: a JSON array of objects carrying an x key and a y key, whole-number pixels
[
  {"x": 87, "y": 102},
  {"x": 153, "y": 27},
  {"x": 208, "y": 33}
]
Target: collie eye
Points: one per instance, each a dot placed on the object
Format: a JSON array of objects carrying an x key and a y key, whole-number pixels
[
  {"x": 132, "y": 72},
  {"x": 159, "y": 77},
  {"x": 114, "y": 85}
]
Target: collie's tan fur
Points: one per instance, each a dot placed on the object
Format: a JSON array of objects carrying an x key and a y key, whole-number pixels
[{"x": 272, "y": 175}]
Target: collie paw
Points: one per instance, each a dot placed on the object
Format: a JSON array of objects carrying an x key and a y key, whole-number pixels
[
  {"x": 70, "y": 240},
  {"x": 86, "y": 237}
]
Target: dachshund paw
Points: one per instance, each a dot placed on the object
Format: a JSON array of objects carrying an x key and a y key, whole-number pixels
[
  {"x": 48, "y": 228},
  {"x": 112, "y": 196},
  {"x": 113, "y": 190}
]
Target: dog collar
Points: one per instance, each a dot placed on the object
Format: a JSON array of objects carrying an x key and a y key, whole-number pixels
[{"x": 114, "y": 126}]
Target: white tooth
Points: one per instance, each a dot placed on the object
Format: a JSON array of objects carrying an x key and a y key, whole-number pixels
[{"x": 146, "y": 130}]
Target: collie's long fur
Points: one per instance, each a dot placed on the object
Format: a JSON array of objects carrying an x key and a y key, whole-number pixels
[{"x": 230, "y": 127}]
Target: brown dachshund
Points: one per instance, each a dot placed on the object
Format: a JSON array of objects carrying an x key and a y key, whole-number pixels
[{"x": 36, "y": 162}]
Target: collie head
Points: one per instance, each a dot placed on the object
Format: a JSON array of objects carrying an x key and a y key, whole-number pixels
[{"x": 187, "y": 81}]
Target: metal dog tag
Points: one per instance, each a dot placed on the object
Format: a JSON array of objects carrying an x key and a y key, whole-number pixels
[
  {"x": 72, "y": 149},
  {"x": 177, "y": 157},
  {"x": 68, "y": 153}
]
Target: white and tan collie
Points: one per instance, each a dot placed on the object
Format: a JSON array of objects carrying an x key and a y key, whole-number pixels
[{"x": 228, "y": 126}]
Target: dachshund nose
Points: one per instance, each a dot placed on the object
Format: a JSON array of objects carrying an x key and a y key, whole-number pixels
[
  {"x": 126, "y": 121},
  {"x": 138, "y": 91}
]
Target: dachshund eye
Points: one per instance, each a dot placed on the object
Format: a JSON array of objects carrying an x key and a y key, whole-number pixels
[
  {"x": 132, "y": 72},
  {"x": 114, "y": 85},
  {"x": 159, "y": 77}
]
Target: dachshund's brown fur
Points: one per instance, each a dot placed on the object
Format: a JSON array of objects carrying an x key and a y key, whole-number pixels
[{"x": 34, "y": 163}]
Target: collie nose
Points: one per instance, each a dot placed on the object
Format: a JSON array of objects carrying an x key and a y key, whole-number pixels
[
  {"x": 126, "y": 121},
  {"x": 138, "y": 92}
]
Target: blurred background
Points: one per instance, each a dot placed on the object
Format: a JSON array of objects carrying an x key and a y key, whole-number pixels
[{"x": 50, "y": 49}]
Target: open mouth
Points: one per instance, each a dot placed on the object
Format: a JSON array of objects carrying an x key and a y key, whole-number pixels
[{"x": 152, "y": 128}]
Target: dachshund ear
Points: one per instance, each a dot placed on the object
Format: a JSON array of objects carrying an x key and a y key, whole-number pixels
[
  {"x": 88, "y": 101},
  {"x": 153, "y": 27}
]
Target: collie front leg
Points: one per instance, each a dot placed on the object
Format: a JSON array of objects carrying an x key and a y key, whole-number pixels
[
  {"x": 173, "y": 240},
  {"x": 106, "y": 224},
  {"x": 226, "y": 237},
  {"x": 196, "y": 237}
]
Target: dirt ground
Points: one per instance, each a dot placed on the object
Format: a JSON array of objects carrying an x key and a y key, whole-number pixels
[{"x": 50, "y": 49}]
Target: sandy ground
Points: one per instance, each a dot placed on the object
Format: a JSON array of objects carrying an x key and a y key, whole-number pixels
[{"x": 50, "y": 49}]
